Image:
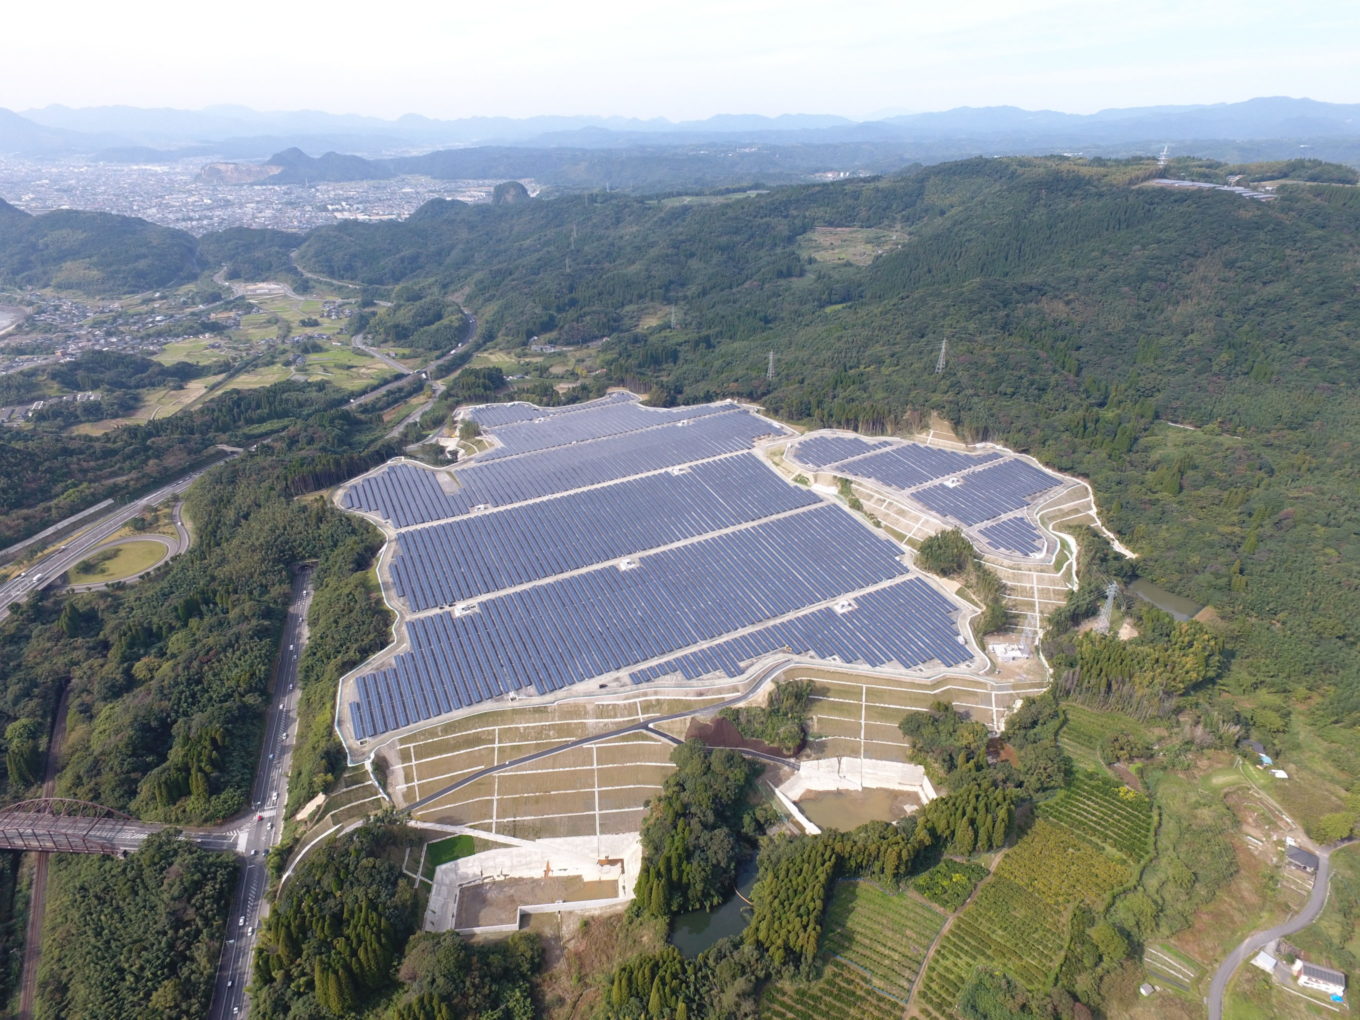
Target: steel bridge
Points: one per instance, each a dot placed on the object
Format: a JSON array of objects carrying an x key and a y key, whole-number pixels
[{"x": 62, "y": 825}]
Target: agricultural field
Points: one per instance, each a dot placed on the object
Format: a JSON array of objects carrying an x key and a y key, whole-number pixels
[
  {"x": 856, "y": 245},
  {"x": 1017, "y": 920},
  {"x": 873, "y": 944},
  {"x": 1086, "y": 730},
  {"x": 1106, "y": 813}
]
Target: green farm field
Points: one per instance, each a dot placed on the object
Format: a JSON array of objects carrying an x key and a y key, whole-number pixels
[{"x": 870, "y": 956}]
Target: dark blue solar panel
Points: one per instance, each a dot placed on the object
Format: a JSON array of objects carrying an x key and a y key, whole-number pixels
[
  {"x": 575, "y": 489},
  {"x": 400, "y": 494},
  {"x": 674, "y": 598},
  {"x": 458, "y": 559},
  {"x": 610, "y": 420},
  {"x": 907, "y": 465},
  {"x": 991, "y": 492},
  {"x": 819, "y": 451},
  {"x": 1014, "y": 535}
]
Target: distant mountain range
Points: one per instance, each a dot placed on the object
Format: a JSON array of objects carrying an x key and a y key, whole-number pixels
[{"x": 122, "y": 133}]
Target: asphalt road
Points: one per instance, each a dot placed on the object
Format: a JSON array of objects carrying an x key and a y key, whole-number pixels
[
  {"x": 45, "y": 571},
  {"x": 260, "y": 829},
  {"x": 1253, "y": 944}
]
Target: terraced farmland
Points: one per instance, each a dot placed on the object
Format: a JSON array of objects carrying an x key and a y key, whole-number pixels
[
  {"x": 872, "y": 948},
  {"x": 1085, "y": 732},
  {"x": 1017, "y": 920},
  {"x": 1106, "y": 812}
]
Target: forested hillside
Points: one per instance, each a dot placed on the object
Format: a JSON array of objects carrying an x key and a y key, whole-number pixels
[
  {"x": 1084, "y": 313},
  {"x": 97, "y": 253}
]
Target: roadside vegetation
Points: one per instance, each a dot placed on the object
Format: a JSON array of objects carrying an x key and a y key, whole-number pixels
[
  {"x": 136, "y": 937},
  {"x": 342, "y": 942}
]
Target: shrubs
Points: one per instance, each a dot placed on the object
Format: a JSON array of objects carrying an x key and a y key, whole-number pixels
[
  {"x": 781, "y": 723},
  {"x": 950, "y": 883}
]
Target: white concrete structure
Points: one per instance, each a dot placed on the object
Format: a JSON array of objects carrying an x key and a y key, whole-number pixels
[{"x": 583, "y": 857}]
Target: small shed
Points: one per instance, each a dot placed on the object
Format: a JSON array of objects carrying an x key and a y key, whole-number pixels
[
  {"x": 1297, "y": 857},
  {"x": 1264, "y": 961}
]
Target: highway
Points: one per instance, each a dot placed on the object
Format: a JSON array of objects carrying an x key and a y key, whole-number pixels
[
  {"x": 46, "y": 570},
  {"x": 261, "y": 828}
]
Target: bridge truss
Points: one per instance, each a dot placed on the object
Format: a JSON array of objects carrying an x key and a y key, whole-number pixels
[{"x": 59, "y": 824}]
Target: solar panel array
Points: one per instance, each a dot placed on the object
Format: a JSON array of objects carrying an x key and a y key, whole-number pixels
[
  {"x": 597, "y": 561},
  {"x": 441, "y": 564},
  {"x": 819, "y": 451},
  {"x": 1015, "y": 534},
  {"x": 608, "y": 420},
  {"x": 870, "y": 634},
  {"x": 970, "y": 488},
  {"x": 494, "y": 415},
  {"x": 991, "y": 492},
  {"x": 398, "y": 494},
  {"x": 909, "y": 465}
]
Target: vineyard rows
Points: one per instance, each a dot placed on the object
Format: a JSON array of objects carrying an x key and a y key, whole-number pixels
[
  {"x": 872, "y": 947},
  {"x": 1105, "y": 813}
]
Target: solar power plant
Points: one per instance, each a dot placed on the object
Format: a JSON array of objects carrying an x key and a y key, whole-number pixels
[
  {"x": 441, "y": 564},
  {"x": 969, "y": 488},
  {"x": 1015, "y": 534},
  {"x": 407, "y": 495},
  {"x": 820, "y": 451},
  {"x": 991, "y": 492},
  {"x": 625, "y": 543}
]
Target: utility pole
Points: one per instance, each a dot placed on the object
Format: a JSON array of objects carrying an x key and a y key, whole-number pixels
[{"x": 939, "y": 362}]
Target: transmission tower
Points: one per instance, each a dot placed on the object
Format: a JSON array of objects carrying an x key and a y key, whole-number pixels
[
  {"x": 939, "y": 362},
  {"x": 769, "y": 372},
  {"x": 1107, "y": 610}
]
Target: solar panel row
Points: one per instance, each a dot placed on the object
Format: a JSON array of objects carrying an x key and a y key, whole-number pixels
[
  {"x": 398, "y": 494},
  {"x": 452, "y": 561},
  {"x": 1016, "y": 535},
  {"x": 906, "y": 465},
  {"x": 819, "y": 451},
  {"x": 602, "y": 621},
  {"x": 906, "y": 624},
  {"x": 516, "y": 411},
  {"x": 991, "y": 492},
  {"x": 609, "y": 420}
]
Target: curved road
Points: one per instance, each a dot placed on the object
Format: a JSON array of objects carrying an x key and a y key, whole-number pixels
[
  {"x": 50, "y": 566},
  {"x": 173, "y": 547},
  {"x": 1253, "y": 944}
]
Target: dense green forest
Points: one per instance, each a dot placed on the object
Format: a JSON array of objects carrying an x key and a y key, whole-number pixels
[
  {"x": 136, "y": 937},
  {"x": 96, "y": 253},
  {"x": 167, "y": 680},
  {"x": 342, "y": 942}
]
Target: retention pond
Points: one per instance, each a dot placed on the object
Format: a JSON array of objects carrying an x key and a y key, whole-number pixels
[{"x": 696, "y": 931}]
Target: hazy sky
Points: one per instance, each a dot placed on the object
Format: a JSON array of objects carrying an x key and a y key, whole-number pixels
[{"x": 684, "y": 59}]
